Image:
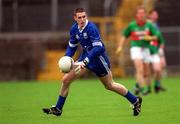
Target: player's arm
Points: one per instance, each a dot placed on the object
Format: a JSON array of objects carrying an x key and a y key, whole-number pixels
[
  {"x": 72, "y": 45},
  {"x": 160, "y": 38},
  {"x": 97, "y": 45},
  {"x": 150, "y": 38},
  {"x": 126, "y": 33},
  {"x": 121, "y": 44},
  {"x": 97, "y": 49},
  {"x": 71, "y": 49},
  {"x": 161, "y": 43},
  {"x": 154, "y": 33}
]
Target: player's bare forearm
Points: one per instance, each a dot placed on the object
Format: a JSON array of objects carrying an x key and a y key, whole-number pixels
[
  {"x": 150, "y": 38},
  {"x": 121, "y": 44},
  {"x": 162, "y": 46}
]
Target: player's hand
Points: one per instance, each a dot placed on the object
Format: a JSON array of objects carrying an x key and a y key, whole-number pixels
[
  {"x": 161, "y": 51},
  {"x": 79, "y": 66},
  {"x": 118, "y": 50},
  {"x": 148, "y": 38}
]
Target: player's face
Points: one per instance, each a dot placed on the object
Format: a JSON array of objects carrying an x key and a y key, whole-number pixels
[
  {"x": 154, "y": 16},
  {"x": 81, "y": 18},
  {"x": 141, "y": 16}
]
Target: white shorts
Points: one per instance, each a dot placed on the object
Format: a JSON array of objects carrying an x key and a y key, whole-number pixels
[
  {"x": 140, "y": 53},
  {"x": 155, "y": 58},
  {"x": 136, "y": 53},
  {"x": 146, "y": 55}
]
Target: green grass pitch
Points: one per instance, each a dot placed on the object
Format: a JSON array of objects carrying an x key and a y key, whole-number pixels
[{"x": 88, "y": 103}]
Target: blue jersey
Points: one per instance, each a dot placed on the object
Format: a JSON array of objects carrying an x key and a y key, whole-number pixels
[{"x": 93, "y": 48}]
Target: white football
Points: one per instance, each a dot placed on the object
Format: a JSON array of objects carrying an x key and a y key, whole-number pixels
[{"x": 65, "y": 64}]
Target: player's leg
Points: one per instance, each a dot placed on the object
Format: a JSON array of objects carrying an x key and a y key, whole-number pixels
[
  {"x": 66, "y": 82},
  {"x": 163, "y": 66},
  {"x": 147, "y": 77},
  {"x": 163, "y": 61},
  {"x": 147, "y": 70},
  {"x": 157, "y": 68},
  {"x": 109, "y": 84},
  {"x": 137, "y": 58},
  {"x": 139, "y": 67},
  {"x": 163, "y": 70},
  {"x": 162, "y": 56},
  {"x": 157, "y": 76},
  {"x": 68, "y": 79}
]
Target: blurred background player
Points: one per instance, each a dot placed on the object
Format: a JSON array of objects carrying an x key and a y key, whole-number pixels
[
  {"x": 153, "y": 17},
  {"x": 93, "y": 58},
  {"x": 157, "y": 53},
  {"x": 140, "y": 32}
]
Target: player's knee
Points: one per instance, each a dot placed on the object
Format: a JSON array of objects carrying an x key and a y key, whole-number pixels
[
  {"x": 157, "y": 69},
  {"x": 66, "y": 80},
  {"x": 139, "y": 71},
  {"x": 147, "y": 75},
  {"x": 109, "y": 87}
]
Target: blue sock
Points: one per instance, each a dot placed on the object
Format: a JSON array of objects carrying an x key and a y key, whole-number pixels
[
  {"x": 60, "y": 102},
  {"x": 130, "y": 97}
]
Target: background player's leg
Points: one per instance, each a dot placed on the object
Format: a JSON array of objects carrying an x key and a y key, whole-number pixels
[
  {"x": 157, "y": 76},
  {"x": 139, "y": 67},
  {"x": 147, "y": 77}
]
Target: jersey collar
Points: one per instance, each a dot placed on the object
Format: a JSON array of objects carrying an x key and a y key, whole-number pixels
[{"x": 83, "y": 27}]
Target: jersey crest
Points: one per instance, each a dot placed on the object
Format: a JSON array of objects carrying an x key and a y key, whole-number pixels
[
  {"x": 85, "y": 35},
  {"x": 77, "y": 37}
]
